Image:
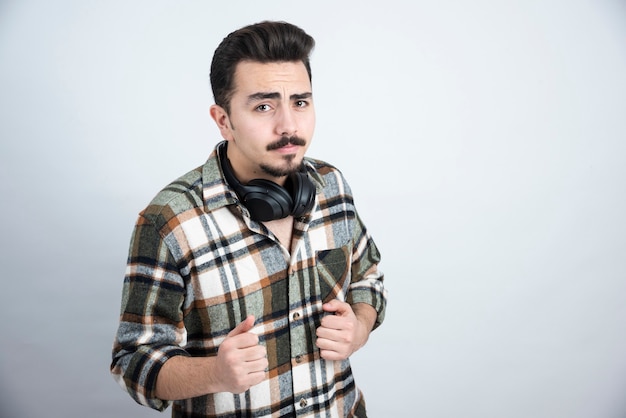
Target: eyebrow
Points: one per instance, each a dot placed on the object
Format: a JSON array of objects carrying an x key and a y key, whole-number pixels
[{"x": 275, "y": 95}]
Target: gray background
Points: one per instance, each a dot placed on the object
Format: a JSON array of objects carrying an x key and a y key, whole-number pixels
[{"x": 484, "y": 141}]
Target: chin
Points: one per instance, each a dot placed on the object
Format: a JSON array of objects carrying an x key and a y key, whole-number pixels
[{"x": 292, "y": 166}]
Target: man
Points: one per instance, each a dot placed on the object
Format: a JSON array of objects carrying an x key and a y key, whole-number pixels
[{"x": 251, "y": 279}]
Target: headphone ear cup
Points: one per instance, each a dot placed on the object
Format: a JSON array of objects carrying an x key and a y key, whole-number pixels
[
  {"x": 267, "y": 200},
  {"x": 302, "y": 190}
]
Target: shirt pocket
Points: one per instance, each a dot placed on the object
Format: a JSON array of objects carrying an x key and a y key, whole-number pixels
[{"x": 333, "y": 268}]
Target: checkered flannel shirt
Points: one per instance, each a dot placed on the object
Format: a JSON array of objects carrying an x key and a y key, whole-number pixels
[{"x": 198, "y": 266}]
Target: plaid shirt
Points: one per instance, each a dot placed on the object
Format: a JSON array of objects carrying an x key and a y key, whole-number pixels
[{"x": 198, "y": 266}]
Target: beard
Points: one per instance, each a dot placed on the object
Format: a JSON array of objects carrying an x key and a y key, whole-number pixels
[{"x": 292, "y": 166}]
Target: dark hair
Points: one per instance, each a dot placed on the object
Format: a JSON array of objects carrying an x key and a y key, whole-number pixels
[{"x": 261, "y": 42}]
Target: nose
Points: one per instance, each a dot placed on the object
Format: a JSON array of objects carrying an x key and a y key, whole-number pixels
[{"x": 286, "y": 122}]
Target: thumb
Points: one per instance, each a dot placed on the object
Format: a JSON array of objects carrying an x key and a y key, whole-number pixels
[
  {"x": 336, "y": 306},
  {"x": 243, "y": 327}
]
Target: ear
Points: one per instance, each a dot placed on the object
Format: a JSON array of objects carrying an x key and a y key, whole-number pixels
[{"x": 222, "y": 121}]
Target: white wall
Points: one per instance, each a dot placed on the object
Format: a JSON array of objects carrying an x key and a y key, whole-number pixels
[{"x": 484, "y": 140}]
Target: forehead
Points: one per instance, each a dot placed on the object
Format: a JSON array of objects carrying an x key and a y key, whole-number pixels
[{"x": 253, "y": 77}]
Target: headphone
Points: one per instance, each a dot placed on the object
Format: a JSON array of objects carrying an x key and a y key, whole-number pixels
[{"x": 267, "y": 200}]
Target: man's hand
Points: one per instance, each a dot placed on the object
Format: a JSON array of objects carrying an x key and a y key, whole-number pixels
[
  {"x": 346, "y": 331},
  {"x": 241, "y": 361}
]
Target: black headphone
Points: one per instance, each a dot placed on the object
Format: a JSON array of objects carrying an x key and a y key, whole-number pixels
[{"x": 267, "y": 200}]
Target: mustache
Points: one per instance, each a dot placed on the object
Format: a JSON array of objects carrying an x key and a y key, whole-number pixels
[{"x": 286, "y": 140}]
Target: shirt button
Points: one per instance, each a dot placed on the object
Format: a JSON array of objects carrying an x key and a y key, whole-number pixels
[
  {"x": 303, "y": 402},
  {"x": 296, "y": 316}
]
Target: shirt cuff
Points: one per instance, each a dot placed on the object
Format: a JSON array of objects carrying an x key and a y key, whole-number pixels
[
  {"x": 141, "y": 375},
  {"x": 373, "y": 294}
]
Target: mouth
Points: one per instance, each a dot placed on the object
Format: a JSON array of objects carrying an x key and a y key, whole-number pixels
[{"x": 288, "y": 149}]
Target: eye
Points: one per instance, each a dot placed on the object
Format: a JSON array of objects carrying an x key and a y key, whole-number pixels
[
  {"x": 302, "y": 103},
  {"x": 263, "y": 108}
]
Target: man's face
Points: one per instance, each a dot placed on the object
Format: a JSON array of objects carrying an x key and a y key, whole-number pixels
[{"x": 271, "y": 120}]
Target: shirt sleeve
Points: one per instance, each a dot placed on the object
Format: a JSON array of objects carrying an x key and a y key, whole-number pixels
[
  {"x": 151, "y": 325},
  {"x": 366, "y": 284}
]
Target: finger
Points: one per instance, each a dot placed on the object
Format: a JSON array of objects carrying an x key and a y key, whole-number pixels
[
  {"x": 257, "y": 366},
  {"x": 243, "y": 341},
  {"x": 325, "y": 344},
  {"x": 243, "y": 327},
  {"x": 253, "y": 353},
  {"x": 337, "y": 306},
  {"x": 331, "y": 335},
  {"x": 257, "y": 377},
  {"x": 336, "y": 322},
  {"x": 331, "y": 355},
  {"x": 331, "y": 321},
  {"x": 332, "y": 350}
]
